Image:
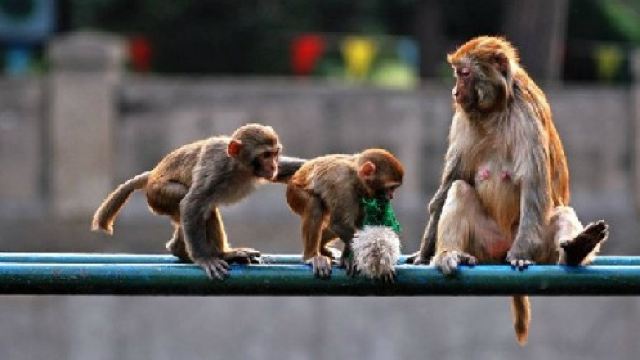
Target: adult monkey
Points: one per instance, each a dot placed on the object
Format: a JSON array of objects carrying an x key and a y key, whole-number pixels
[
  {"x": 505, "y": 185},
  {"x": 191, "y": 182}
]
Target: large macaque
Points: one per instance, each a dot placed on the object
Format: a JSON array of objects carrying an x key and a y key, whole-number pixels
[
  {"x": 189, "y": 185},
  {"x": 505, "y": 186},
  {"x": 326, "y": 192}
]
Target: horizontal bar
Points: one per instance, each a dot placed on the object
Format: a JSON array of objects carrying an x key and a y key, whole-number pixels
[
  {"x": 91, "y": 258},
  {"x": 283, "y": 279}
]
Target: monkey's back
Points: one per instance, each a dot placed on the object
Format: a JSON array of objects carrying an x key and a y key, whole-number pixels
[
  {"x": 178, "y": 165},
  {"x": 329, "y": 171}
]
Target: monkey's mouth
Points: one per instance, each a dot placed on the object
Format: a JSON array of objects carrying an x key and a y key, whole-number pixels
[{"x": 265, "y": 174}]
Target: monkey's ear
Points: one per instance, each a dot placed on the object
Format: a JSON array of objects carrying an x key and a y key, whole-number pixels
[
  {"x": 234, "y": 147},
  {"x": 367, "y": 169},
  {"x": 502, "y": 63}
]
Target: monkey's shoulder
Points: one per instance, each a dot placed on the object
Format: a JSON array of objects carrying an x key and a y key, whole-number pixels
[{"x": 326, "y": 172}]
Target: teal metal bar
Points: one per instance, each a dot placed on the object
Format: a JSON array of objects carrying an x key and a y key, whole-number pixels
[
  {"x": 95, "y": 258},
  {"x": 186, "y": 279}
]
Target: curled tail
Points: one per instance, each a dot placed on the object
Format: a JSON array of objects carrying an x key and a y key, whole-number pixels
[
  {"x": 521, "y": 317},
  {"x": 106, "y": 213},
  {"x": 287, "y": 166}
]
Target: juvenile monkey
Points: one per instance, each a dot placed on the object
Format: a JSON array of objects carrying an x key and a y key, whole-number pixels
[
  {"x": 326, "y": 193},
  {"x": 504, "y": 193},
  {"x": 190, "y": 183}
]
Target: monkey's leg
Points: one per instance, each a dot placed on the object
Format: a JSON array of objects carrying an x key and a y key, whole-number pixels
[
  {"x": 327, "y": 237},
  {"x": 466, "y": 232},
  {"x": 164, "y": 197},
  {"x": 577, "y": 244},
  {"x": 217, "y": 237},
  {"x": 343, "y": 225},
  {"x": 312, "y": 221},
  {"x": 176, "y": 244}
]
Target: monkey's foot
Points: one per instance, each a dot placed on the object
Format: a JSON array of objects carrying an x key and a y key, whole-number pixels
[
  {"x": 215, "y": 268},
  {"x": 177, "y": 249},
  {"x": 579, "y": 248},
  {"x": 242, "y": 256},
  {"x": 348, "y": 263},
  {"x": 519, "y": 261},
  {"x": 321, "y": 266},
  {"x": 448, "y": 261}
]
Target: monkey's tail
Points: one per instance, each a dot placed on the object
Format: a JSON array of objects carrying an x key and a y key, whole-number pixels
[
  {"x": 521, "y": 317},
  {"x": 106, "y": 213},
  {"x": 287, "y": 166}
]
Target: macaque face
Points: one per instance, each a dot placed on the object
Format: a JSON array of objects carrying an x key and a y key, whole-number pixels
[
  {"x": 388, "y": 189},
  {"x": 479, "y": 87},
  {"x": 463, "y": 92},
  {"x": 265, "y": 162},
  {"x": 382, "y": 187}
]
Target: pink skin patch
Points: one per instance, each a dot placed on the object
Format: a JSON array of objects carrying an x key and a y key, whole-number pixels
[{"x": 484, "y": 173}]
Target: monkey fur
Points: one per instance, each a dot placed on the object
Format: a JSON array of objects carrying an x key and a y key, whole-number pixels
[
  {"x": 326, "y": 193},
  {"x": 190, "y": 183},
  {"x": 504, "y": 192}
]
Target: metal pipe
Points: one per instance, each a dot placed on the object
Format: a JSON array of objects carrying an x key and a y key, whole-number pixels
[
  {"x": 99, "y": 258},
  {"x": 187, "y": 279}
]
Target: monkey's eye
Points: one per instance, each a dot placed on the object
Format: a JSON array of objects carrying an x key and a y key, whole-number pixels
[
  {"x": 269, "y": 154},
  {"x": 463, "y": 72}
]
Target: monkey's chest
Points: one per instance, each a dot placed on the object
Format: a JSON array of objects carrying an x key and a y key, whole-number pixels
[
  {"x": 239, "y": 190},
  {"x": 499, "y": 193}
]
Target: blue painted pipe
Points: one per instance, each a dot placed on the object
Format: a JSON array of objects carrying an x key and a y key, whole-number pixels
[
  {"x": 98, "y": 258},
  {"x": 283, "y": 279}
]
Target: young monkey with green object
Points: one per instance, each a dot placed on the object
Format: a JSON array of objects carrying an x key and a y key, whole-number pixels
[{"x": 327, "y": 192}]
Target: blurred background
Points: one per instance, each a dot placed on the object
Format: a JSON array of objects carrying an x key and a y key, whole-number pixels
[{"x": 93, "y": 92}]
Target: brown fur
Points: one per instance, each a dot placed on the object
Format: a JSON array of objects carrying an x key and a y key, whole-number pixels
[
  {"x": 505, "y": 184},
  {"x": 191, "y": 182},
  {"x": 326, "y": 193}
]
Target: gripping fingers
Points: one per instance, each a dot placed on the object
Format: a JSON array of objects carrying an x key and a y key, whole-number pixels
[
  {"x": 520, "y": 264},
  {"x": 448, "y": 261},
  {"x": 349, "y": 264},
  {"x": 242, "y": 256},
  {"x": 321, "y": 266},
  {"x": 417, "y": 259},
  {"x": 214, "y": 268}
]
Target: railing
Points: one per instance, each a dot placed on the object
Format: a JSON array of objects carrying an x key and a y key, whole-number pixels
[{"x": 127, "y": 274}]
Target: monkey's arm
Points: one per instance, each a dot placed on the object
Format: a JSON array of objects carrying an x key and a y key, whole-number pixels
[
  {"x": 450, "y": 173},
  {"x": 535, "y": 204},
  {"x": 287, "y": 166},
  {"x": 344, "y": 222}
]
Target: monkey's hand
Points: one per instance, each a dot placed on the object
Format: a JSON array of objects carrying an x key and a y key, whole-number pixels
[
  {"x": 348, "y": 262},
  {"x": 417, "y": 259},
  {"x": 519, "y": 258},
  {"x": 216, "y": 268},
  {"x": 448, "y": 261},
  {"x": 321, "y": 266},
  {"x": 242, "y": 256}
]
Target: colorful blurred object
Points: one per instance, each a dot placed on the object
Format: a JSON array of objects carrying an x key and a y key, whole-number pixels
[
  {"x": 306, "y": 50},
  {"x": 609, "y": 60},
  {"x": 17, "y": 60},
  {"x": 358, "y": 52},
  {"x": 140, "y": 53}
]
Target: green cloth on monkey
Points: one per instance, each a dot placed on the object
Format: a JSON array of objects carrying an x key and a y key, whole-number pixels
[{"x": 379, "y": 212}]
